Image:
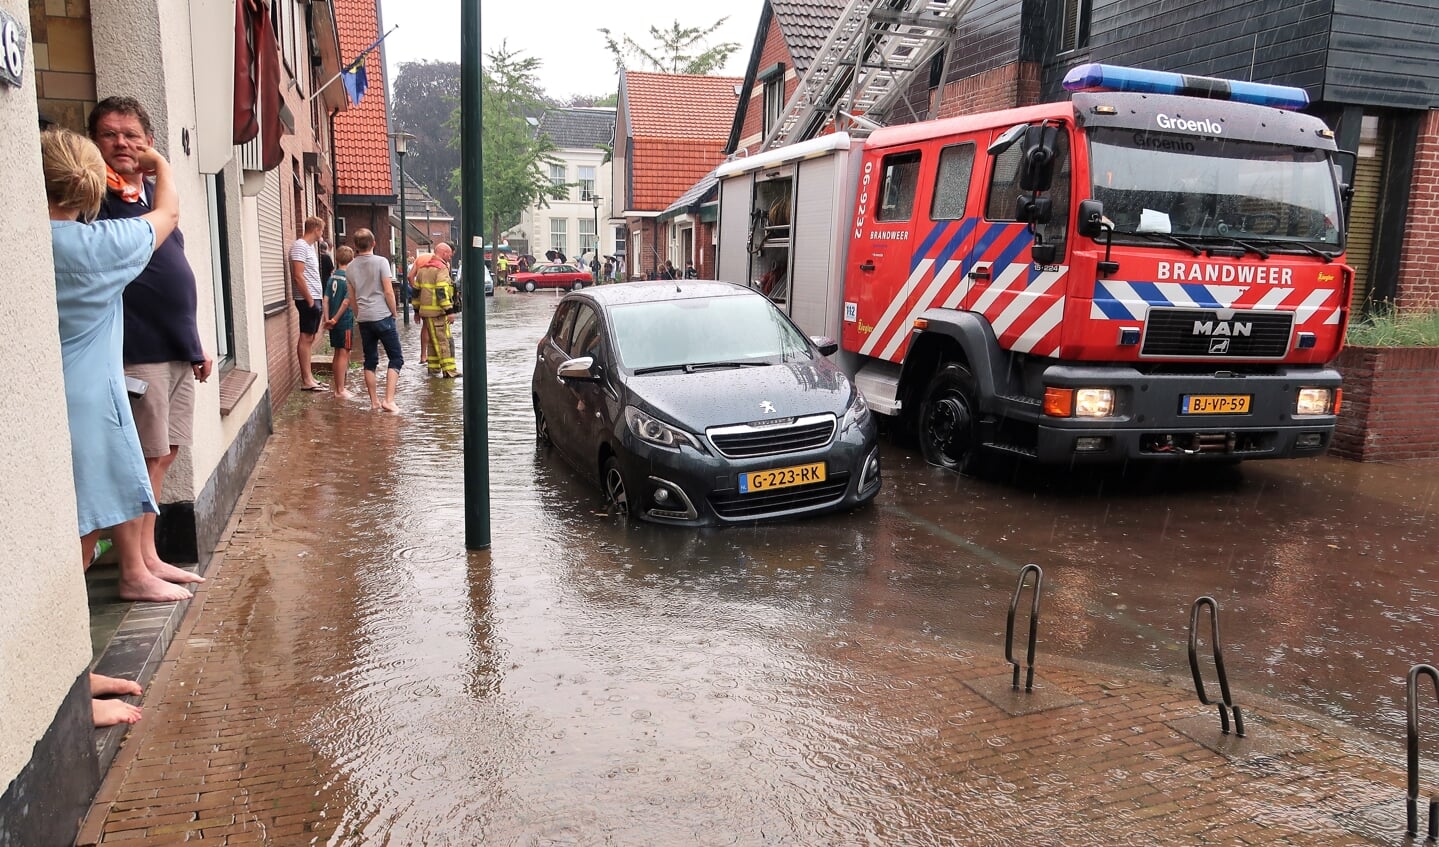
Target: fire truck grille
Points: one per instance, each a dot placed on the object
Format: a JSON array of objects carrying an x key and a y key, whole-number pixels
[
  {"x": 748, "y": 441},
  {"x": 1201, "y": 333}
]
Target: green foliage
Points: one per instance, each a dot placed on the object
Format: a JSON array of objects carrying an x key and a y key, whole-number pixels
[
  {"x": 677, "y": 50},
  {"x": 1388, "y": 327},
  {"x": 515, "y": 160},
  {"x": 426, "y": 94}
]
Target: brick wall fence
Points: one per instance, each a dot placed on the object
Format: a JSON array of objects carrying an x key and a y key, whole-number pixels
[
  {"x": 1391, "y": 404},
  {"x": 1419, "y": 262}
]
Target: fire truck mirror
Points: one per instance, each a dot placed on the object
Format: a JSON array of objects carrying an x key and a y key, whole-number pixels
[
  {"x": 1033, "y": 209},
  {"x": 1003, "y": 142},
  {"x": 1043, "y": 254},
  {"x": 1037, "y": 154},
  {"x": 1091, "y": 218}
]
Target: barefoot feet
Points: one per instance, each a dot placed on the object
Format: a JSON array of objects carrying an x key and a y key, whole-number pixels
[
  {"x": 110, "y": 712},
  {"x": 170, "y": 573},
  {"x": 389, "y": 407},
  {"x": 151, "y": 589},
  {"x": 105, "y": 686}
]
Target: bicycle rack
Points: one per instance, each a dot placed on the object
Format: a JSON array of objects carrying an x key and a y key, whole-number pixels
[
  {"x": 1228, "y": 702},
  {"x": 1033, "y": 625},
  {"x": 1412, "y": 810}
]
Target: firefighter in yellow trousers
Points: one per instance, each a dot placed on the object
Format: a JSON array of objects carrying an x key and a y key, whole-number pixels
[{"x": 434, "y": 304}]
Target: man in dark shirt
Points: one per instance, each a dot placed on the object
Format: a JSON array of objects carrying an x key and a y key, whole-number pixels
[{"x": 162, "y": 341}]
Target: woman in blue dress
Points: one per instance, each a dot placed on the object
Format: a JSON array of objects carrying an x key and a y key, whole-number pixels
[{"x": 93, "y": 264}]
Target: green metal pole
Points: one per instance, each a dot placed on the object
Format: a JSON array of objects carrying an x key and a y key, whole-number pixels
[{"x": 472, "y": 197}]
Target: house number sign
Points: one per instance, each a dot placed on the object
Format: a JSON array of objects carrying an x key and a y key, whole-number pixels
[{"x": 12, "y": 49}]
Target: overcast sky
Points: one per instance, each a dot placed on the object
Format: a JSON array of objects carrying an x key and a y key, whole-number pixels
[{"x": 563, "y": 34}]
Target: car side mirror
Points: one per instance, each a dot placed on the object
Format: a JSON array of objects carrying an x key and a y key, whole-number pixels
[
  {"x": 581, "y": 368},
  {"x": 827, "y": 346}
]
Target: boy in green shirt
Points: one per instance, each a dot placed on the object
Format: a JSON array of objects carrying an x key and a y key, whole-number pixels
[{"x": 340, "y": 320}]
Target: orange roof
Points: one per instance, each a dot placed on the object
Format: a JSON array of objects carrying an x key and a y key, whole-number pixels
[
  {"x": 679, "y": 125},
  {"x": 362, "y": 142}
]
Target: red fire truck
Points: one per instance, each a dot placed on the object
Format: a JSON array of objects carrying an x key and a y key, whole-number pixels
[{"x": 1153, "y": 269}]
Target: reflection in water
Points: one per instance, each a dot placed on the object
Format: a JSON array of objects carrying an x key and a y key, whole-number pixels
[{"x": 588, "y": 682}]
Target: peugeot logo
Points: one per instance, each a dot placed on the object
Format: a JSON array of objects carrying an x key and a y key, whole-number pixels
[
  {"x": 767, "y": 407},
  {"x": 1219, "y": 345}
]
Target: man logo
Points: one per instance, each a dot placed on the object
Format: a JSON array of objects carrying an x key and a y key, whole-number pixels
[
  {"x": 767, "y": 407},
  {"x": 1219, "y": 345},
  {"x": 1223, "y": 328}
]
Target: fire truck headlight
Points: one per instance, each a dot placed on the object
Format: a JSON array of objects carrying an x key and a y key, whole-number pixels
[
  {"x": 1315, "y": 401},
  {"x": 1093, "y": 402},
  {"x": 1078, "y": 402}
]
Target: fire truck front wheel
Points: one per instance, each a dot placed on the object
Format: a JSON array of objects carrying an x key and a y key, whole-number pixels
[{"x": 948, "y": 421}]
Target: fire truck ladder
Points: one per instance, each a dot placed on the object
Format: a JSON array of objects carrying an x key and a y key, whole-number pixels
[{"x": 872, "y": 54}]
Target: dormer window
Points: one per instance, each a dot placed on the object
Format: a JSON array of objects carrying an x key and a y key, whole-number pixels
[{"x": 772, "y": 80}]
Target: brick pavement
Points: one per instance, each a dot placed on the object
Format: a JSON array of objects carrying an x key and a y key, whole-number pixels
[{"x": 233, "y": 747}]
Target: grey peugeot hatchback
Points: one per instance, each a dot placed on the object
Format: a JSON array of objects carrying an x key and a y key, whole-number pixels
[{"x": 700, "y": 403}]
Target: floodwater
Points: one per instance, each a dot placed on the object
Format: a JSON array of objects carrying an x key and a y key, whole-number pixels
[{"x": 584, "y": 675}]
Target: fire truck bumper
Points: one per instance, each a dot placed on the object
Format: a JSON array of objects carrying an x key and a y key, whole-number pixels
[{"x": 1220, "y": 416}]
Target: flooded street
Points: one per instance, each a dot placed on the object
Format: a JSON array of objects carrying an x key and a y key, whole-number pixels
[{"x": 589, "y": 682}]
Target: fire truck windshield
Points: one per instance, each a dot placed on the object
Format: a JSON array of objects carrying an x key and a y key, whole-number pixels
[{"x": 1203, "y": 187}]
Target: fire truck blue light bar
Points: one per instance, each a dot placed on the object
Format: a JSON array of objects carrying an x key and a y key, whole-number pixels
[{"x": 1097, "y": 77}]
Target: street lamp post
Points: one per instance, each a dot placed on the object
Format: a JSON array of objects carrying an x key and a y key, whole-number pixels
[
  {"x": 595, "y": 199},
  {"x": 402, "y": 140}
]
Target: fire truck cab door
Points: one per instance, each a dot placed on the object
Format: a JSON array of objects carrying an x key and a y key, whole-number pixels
[
  {"x": 1023, "y": 302},
  {"x": 907, "y": 255}
]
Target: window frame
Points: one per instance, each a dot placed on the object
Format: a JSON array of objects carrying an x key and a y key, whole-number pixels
[{"x": 888, "y": 175}]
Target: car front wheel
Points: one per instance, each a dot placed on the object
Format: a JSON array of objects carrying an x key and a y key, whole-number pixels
[
  {"x": 529, "y": 285},
  {"x": 542, "y": 425},
  {"x": 948, "y": 421},
  {"x": 577, "y": 286},
  {"x": 617, "y": 495}
]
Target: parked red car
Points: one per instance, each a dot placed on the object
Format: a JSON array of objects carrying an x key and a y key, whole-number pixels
[{"x": 552, "y": 276}]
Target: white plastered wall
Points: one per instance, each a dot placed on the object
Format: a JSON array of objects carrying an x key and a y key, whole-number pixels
[
  {"x": 44, "y": 621},
  {"x": 163, "y": 81}
]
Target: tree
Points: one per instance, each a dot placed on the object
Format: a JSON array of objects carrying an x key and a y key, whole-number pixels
[
  {"x": 677, "y": 50},
  {"x": 514, "y": 158},
  {"x": 426, "y": 93}
]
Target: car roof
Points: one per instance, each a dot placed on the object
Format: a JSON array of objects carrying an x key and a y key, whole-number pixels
[{"x": 622, "y": 293}]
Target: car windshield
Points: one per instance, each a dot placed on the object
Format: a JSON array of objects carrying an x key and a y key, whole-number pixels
[
  {"x": 1155, "y": 183},
  {"x": 704, "y": 330}
]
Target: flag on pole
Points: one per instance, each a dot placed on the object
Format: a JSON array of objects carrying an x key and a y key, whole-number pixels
[
  {"x": 354, "y": 78},
  {"x": 356, "y": 81}
]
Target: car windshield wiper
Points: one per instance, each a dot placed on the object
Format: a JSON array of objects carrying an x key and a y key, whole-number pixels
[
  {"x": 691, "y": 367},
  {"x": 1250, "y": 246},
  {"x": 1172, "y": 239},
  {"x": 1306, "y": 247},
  {"x": 695, "y": 366}
]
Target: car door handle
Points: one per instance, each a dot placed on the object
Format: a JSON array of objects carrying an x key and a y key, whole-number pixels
[
  {"x": 981, "y": 272},
  {"x": 866, "y": 265}
]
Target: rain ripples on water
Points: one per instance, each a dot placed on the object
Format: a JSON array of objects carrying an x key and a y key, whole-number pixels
[{"x": 588, "y": 682}]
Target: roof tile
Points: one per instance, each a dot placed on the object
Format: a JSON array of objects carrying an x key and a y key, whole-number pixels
[
  {"x": 362, "y": 141},
  {"x": 679, "y": 125},
  {"x": 806, "y": 25}
]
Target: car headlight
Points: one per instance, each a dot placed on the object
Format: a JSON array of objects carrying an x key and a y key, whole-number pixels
[
  {"x": 1314, "y": 401},
  {"x": 857, "y": 413},
  {"x": 649, "y": 429}
]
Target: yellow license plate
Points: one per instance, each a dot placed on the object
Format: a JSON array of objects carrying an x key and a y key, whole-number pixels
[
  {"x": 1215, "y": 404},
  {"x": 755, "y": 481}
]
